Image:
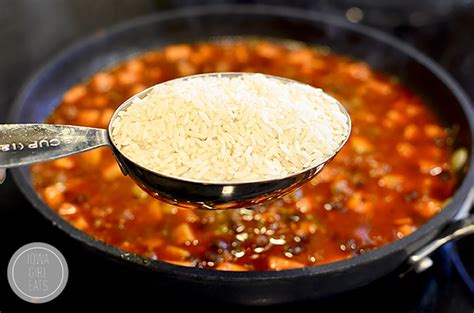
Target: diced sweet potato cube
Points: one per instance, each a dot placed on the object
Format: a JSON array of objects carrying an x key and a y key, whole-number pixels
[
  {"x": 379, "y": 87},
  {"x": 53, "y": 195},
  {"x": 64, "y": 163},
  {"x": 80, "y": 223},
  {"x": 180, "y": 263},
  {"x": 127, "y": 78},
  {"x": 392, "y": 181},
  {"x": 177, "y": 253},
  {"x": 301, "y": 57},
  {"x": 268, "y": 50},
  {"x": 152, "y": 243},
  {"x": 75, "y": 94},
  {"x": 241, "y": 53},
  {"x": 102, "y": 82},
  {"x": 434, "y": 131},
  {"x": 88, "y": 117},
  {"x": 405, "y": 230},
  {"x": 361, "y": 145},
  {"x": 395, "y": 116},
  {"x": 427, "y": 208},
  {"x": 405, "y": 149},
  {"x": 135, "y": 66},
  {"x": 410, "y": 132},
  {"x": 183, "y": 233},
  {"x": 359, "y": 204},
  {"x": 358, "y": 70},
  {"x": 154, "y": 210},
  {"x": 279, "y": 263},
  {"x": 413, "y": 110},
  {"x": 227, "y": 266},
  {"x": 177, "y": 52}
]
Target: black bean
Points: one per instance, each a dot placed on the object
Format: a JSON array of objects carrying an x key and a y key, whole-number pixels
[
  {"x": 294, "y": 249},
  {"x": 261, "y": 241}
]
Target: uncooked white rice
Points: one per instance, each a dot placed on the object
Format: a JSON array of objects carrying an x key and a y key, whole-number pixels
[{"x": 230, "y": 129}]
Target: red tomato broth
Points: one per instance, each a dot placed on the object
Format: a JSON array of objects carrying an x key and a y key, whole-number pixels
[{"x": 390, "y": 178}]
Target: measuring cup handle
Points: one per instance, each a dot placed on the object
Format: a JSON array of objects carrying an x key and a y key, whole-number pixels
[{"x": 23, "y": 144}]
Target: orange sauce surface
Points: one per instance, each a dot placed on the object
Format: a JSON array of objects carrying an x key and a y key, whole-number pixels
[{"x": 390, "y": 178}]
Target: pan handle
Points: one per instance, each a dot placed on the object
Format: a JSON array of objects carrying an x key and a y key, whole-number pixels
[
  {"x": 23, "y": 144},
  {"x": 420, "y": 260}
]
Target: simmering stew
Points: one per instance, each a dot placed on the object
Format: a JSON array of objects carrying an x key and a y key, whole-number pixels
[{"x": 392, "y": 176}]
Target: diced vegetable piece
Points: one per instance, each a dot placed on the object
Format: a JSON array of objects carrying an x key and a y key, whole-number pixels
[
  {"x": 177, "y": 52},
  {"x": 127, "y": 78},
  {"x": 182, "y": 234},
  {"x": 301, "y": 57},
  {"x": 361, "y": 145},
  {"x": 358, "y": 71},
  {"x": 136, "y": 66},
  {"x": 434, "y": 131},
  {"x": 405, "y": 230},
  {"x": 53, "y": 195},
  {"x": 268, "y": 50},
  {"x": 64, "y": 163},
  {"x": 278, "y": 263},
  {"x": 154, "y": 209},
  {"x": 180, "y": 263},
  {"x": 153, "y": 242},
  {"x": 392, "y": 181},
  {"x": 68, "y": 209},
  {"x": 176, "y": 252},
  {"x": 405, "y": 149},
  {"x": 395, "y": 116},
  {"x": 88, "y": 117},
  {"x": 75, "y": 94},
  {"x": 102, "y": 82},
  {"x": 80, "y": 223},
  {"x": 186, "y": 69},
  {"x": 358, "y": 203},
  {"x": 410, "y": 132},
  {"x": 227, "y": 266},
  {"x": 427, "y": 207}
]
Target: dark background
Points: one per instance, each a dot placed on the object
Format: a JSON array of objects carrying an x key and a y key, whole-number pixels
[{"x": 32, "y": 32}]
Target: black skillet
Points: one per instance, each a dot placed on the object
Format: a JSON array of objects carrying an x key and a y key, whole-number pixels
[{"x": 383, "y": 52}]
